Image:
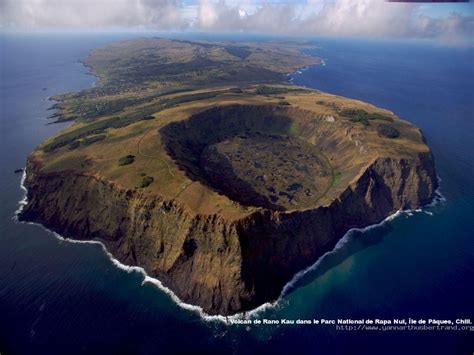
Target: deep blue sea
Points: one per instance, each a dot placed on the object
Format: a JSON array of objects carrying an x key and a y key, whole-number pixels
[{"x": 58, "y": 297}]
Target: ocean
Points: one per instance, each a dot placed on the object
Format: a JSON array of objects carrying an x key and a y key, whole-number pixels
[{"x": 58, "y": 297}]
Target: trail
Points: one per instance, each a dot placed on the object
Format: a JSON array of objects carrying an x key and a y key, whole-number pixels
[
  {"x": 152, "y": 156},
  {"x": 160, "y": 159}
]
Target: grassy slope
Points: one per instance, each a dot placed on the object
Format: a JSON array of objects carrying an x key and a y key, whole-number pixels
[
  {"x": 146, "y": 84},
  {"x": 140, "y": 71},
  {"x": 143, "y": 140}
]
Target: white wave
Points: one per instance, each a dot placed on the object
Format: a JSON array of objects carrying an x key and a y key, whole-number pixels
[
  {"x": 146, "y": 278},
  {"x": 339, "y": 245},
  {"x": 129, "y": 269},
  {"x": 24, "y": 200},
  {"x": 300, "y": 71},
  {"x": 438, "y": 196},
  {"x": 193, "y": 308}
]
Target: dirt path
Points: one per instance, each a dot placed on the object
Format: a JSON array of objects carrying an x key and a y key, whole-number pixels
[
  {"x": 140, "y": 152},
  {"x": 153, "y": 156}
]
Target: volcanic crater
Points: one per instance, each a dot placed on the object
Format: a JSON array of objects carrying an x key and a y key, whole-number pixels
[
  {"x": 254, "y": 154},
  {"x": 244, "y": 189},
  {"x": 195, "y": 162}
]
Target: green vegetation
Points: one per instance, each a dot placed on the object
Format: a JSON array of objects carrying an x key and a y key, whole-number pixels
[
  {"x": 90, "y": 129},
  {"x": 140, "y": 113},
  {"x": 74, "y": 145},
  {"x": 387, "y": 131},
  {"x": 139, "y": 73},
  {"x": 243, "y": 150},
  {"x": 86, "y": 141},
  {"x": 94, "y": 103},
  {"x": 379, "y": 116},
  {"x": 224, "y": 119},
  {"x": 356, "y": 115},
  {"x": 239, "y": 52},
  {"x": 93, "y": 139},
  {"x": 126, "y": 160},
  {"x": 133, "y": 66},
  {"x": 276, "y": 90},
  {"x": 146, "y": 181},
  {"x": 188, "y": 98},
  {"x": 362, "y": 116}
]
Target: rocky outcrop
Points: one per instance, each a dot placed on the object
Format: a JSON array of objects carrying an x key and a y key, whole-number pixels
[{"x": 223, "y": 266}]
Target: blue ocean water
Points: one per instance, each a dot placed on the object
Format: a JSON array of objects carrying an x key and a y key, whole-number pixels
[{"x": 63, "y": 298}]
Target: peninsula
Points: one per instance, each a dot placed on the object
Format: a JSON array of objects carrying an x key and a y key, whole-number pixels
[{"x": 195, "y": 161}]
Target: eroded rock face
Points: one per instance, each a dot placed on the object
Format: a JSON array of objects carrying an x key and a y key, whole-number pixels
[{"x": 221, "y": 265}]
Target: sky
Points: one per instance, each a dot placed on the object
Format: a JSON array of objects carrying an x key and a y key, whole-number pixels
[{"x": 447, "y": 23}]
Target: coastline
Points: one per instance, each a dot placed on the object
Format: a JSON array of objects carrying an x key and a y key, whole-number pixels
[
  {"x": 60, "y": 298},
  {"x": 438, "y": 198},
  {"x": 54, "y": 100},
  {"x": 147, "y": 279}
]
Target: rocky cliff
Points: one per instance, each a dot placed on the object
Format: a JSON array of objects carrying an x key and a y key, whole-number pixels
[{"x": 224, "y": 266}]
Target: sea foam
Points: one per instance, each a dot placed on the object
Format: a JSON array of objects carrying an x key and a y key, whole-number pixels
[{"x": 198, "y": 310}]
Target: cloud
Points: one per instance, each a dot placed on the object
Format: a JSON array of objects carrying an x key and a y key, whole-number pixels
[
  {"x": 86, "y": 14},
  {"x": 267, "y": 18},
  {"x": 453, "y": 30},
  {"x": 363, "y": 18},
  {"x": 368, "y": 18}
]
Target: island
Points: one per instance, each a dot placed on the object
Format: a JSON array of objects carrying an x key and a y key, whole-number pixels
[{"x": 197, "y": 161}]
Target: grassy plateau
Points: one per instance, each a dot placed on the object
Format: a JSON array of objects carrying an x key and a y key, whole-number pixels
[{"x": 213, "y": 126}]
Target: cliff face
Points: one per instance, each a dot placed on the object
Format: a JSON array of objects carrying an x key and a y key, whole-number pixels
[{"x": 223, "y": 266}]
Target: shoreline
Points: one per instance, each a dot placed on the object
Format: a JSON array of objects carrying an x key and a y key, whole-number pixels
[
  {"x": 56, "y": 114},
  {"x": 289, "y": 286},
  {"x": 156, "y": 282}
]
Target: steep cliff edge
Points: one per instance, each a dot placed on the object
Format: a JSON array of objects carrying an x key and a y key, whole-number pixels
[
  {"x": 223, "y": 265},
  {"x": 182, "y": 162}
]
